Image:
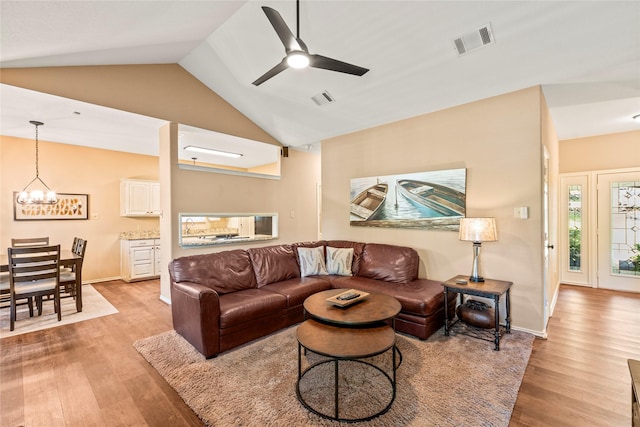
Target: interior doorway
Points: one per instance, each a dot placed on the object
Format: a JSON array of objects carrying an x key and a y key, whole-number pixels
[{"x": 546, "y": 276}]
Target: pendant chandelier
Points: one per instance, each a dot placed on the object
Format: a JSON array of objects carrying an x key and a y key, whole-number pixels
[{"x": 37, "y": 192}]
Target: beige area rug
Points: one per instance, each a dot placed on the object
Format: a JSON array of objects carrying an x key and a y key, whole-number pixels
[
  {"x": 93, "y": 305},
  {"x": 444, "y": 381}
]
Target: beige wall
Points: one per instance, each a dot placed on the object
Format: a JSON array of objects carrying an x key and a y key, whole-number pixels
[
  {"x": 499, "y": 141},
  {"x": 293, "y": 198},
  {"x": 98, "y": 172},
  {"x": 73, "y": 169},
  {"x": 612, "y": 151},
  {"x": 169, "y": 92},
  {"x": 163, "y": 91}
]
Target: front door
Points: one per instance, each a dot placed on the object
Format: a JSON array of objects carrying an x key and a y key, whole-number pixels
[{"x": 619, "y": 231}]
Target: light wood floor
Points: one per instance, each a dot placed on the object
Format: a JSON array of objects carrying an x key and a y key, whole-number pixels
[
  {"x": 579, "y": 376},
  {"x": 88, "y": 373}
]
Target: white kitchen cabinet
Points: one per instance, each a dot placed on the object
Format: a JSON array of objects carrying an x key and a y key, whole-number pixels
[
  {"x": 244, "y": 224},
  {"x": 139, "y": 197},
  {"x": 139, "y": 259}
]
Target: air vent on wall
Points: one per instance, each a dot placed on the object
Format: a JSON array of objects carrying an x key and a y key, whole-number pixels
[
  {"x": 323, "y": 98},
  {"x": 474, "y": 40}
]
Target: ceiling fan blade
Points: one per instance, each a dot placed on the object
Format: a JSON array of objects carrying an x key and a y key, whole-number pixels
[
  {"x": 272, "y": 72},
  {"x": 319, "y": 61},
  {"x": 286, "y": 36}
]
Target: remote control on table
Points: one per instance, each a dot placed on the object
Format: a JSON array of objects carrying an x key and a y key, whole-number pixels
[{"x": 348, "y": 296}]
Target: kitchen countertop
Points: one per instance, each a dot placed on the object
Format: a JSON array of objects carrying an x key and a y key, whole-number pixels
[
  {"x": 140, "y": 234},
  {"x": 212, "y": 240}
]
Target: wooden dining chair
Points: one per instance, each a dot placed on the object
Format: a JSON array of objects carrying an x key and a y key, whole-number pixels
[
  {"x": 68, "y": 275},
  {"x": 5, "y": 295},
  {"x": 4, "y": 276},
  {"x": 32, "y": 241},
  {"x": 65, "y": 269},
  {"x": 34, "y": 271},
  {"x": 75, "y": 244}
]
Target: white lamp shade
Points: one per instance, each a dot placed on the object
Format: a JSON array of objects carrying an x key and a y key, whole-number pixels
[{"x": 478, "y": 229}]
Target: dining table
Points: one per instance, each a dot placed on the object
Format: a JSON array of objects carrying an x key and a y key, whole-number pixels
[{"x": 67, "y": 259}]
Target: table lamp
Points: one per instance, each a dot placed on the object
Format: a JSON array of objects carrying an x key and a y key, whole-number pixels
[{"x": 477, "y": 230}]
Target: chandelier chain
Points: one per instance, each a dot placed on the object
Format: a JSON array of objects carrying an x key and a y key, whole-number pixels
[
  {"x": 37, "y": 171},
  {"x": 36, "y": 192}
]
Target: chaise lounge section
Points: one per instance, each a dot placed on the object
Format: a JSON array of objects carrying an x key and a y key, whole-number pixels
[{"x": 222, "y": 300}]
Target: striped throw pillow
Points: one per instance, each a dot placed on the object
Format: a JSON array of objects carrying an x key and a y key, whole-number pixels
[
  {"x": 312, "y": 262},
  {"x": 339, "y": 261}
]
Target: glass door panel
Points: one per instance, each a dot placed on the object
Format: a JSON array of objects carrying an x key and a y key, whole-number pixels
[
  {"x": 575, "y": 258},
  {"x": 619, "y": 231},
  {"x": 575, "y": 226},
  {"x": 625, "y": 228}
]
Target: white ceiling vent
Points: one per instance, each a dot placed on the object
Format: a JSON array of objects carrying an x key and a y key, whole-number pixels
[
  {"x": 323, "y": 98},
  {"x": 474, "y": 40}
]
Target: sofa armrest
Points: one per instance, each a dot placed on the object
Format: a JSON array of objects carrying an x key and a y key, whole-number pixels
[{"x": 196, "y": 316}]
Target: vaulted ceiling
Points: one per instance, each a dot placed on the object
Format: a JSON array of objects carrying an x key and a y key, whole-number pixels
[{"x": 585, "y": 54}]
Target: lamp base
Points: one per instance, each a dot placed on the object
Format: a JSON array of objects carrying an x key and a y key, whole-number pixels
[{"x": 475, "y": 270}]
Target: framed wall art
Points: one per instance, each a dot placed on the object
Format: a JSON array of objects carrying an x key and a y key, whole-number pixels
[
  {"x": 69, "y": 206},
  {"x": 431, "y": 200}
]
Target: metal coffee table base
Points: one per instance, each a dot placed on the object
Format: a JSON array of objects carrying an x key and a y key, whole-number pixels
[
  {"x": 337, "y": 362},
  {"x": 341, "y": 347}
]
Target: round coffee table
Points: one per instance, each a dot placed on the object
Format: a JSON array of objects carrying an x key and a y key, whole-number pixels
[
  {"x": 348, "y": 335},
  {"x": 373, "y": 309}
]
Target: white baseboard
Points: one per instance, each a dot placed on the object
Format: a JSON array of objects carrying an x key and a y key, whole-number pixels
[
  {"x": 103, "y": 279},
  {"x": 165, "y": 300},
  {"x": 554, "y": 300},
  {"x": 540, "y": 334}
]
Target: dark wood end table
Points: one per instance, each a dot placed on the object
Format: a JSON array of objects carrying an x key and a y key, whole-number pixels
[{"x": 490, "y": 288}]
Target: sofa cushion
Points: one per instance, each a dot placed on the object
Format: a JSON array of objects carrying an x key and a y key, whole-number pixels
[
  {"x": 297, "y": 290},
  {"x": 421, "y": 297},
  {"x": 358, "y": 248},
  {"x": 274, "y": 264},
  {"x": 339, "y": 261},
  {"x": 249, "y": 306},
  {"x": 390, "y": 263},
  {"x": 224, "y": 272},
  {"x": 311, "y": 261}
]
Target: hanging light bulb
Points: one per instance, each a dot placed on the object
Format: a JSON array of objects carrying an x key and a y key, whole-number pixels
[{"x": 36, "y": 192}]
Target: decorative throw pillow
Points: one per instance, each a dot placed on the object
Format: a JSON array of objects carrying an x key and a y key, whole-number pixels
[
  {"x": 339, "y": 261},
  {"x": 312, "y": 261}
]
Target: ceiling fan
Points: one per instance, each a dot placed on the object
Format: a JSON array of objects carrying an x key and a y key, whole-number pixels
[{"x": 298, "y": 55}]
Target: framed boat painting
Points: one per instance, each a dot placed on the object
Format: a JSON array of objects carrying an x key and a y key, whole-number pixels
[{"x": 426, "y": 200}]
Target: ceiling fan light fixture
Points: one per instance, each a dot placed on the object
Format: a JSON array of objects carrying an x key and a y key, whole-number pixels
[
  {"x": 298, "y": 59},
  {"x": 297, "y": 54}
]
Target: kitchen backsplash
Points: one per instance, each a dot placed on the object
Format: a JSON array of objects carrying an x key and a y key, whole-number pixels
[{"x": 140, "y": 234}]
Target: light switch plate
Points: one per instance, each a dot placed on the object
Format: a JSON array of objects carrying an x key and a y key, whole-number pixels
[{"x": 521, "y": 212}]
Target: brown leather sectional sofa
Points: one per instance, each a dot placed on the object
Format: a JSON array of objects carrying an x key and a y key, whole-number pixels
[{"x": 225, "y": 299}]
